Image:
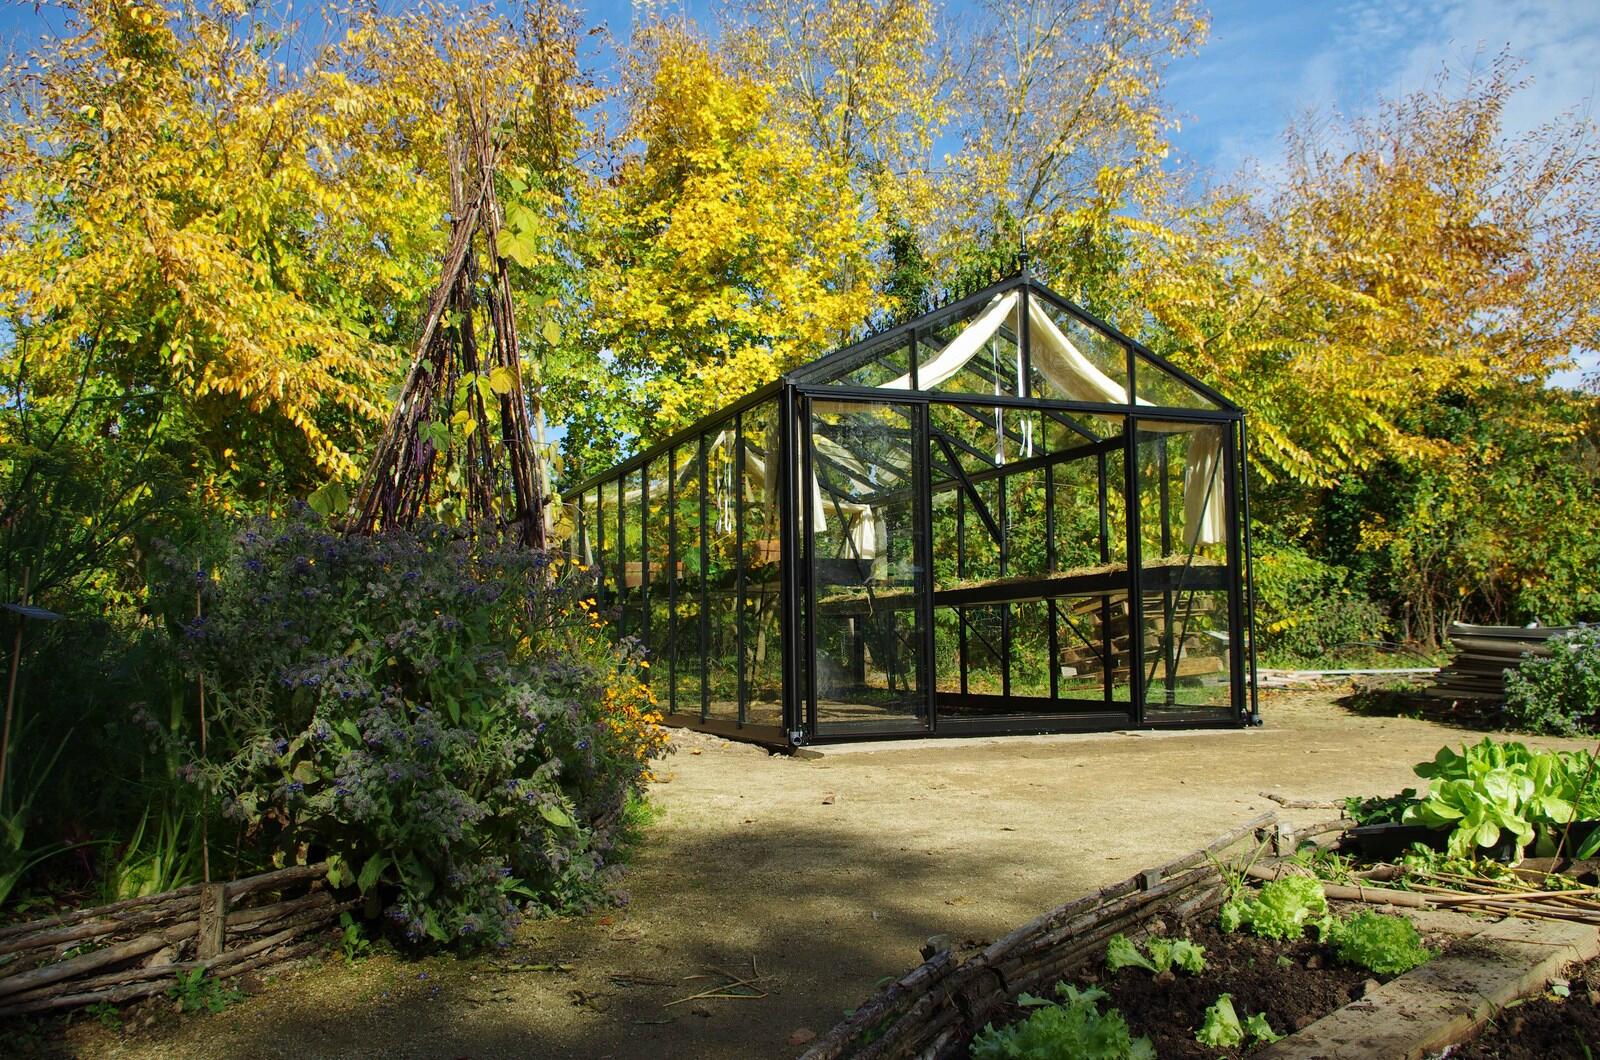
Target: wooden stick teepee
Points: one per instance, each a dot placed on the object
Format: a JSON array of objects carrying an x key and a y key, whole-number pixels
[{"x": 497, "y": 479}]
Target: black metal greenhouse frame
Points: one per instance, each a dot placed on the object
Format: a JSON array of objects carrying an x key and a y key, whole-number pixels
[{"x": 896, "y": 634}]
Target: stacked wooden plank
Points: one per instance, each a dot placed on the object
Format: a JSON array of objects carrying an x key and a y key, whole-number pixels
[
  {"x": 135, "y": 948},
  {"x": 1475, "y": 675},
  {"x": 1198, "y": 655}
]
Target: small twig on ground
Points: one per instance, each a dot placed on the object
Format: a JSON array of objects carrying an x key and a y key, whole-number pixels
[
  {"x": 724, "y": 991},
  {"x": 1300, "y": 804}
]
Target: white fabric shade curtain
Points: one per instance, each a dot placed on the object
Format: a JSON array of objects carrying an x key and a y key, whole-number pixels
[
  {"x": 1065, "y": 367},
  {"x": 1076, "y": 378}
]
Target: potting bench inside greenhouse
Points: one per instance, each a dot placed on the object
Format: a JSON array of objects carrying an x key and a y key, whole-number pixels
[{"x": 1002, "y": 516}]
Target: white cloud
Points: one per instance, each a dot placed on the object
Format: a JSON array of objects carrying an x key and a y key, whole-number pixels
[{"x": 1266, "y": 66}]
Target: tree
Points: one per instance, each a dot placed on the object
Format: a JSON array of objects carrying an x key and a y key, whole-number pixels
[
  {"x": 167, "y": 226},
  {"x": 1400, "y": 258},
  {"x": 1062, "y": 122},
  {"x": 722, "y": 249},
  {"x": 866, "y": 83},
  {"x": 1390, "y": 311}
]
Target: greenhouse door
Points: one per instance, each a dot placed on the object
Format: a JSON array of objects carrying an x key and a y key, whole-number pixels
[{"x": 865, "y": 512}]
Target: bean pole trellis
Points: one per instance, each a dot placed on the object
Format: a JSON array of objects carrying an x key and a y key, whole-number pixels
[{"x": 443, "y": 408}]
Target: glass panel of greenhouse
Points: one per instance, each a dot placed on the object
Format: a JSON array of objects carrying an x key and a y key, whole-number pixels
[{"x": 1001, "y": 516}]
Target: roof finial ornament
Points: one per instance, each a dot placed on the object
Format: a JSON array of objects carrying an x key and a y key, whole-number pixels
[{"x": 1022, "y": 248}]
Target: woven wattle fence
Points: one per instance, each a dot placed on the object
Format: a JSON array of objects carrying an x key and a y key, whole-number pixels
[
  {"x": 131, "y": 949},
  {"x": 936, "y": 1009}
]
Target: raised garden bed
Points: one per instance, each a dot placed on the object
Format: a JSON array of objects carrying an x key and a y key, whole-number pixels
[
  {"x": 936, "y": 1009},
  {"x": 1325, "y": 1007},
  {"x": 1292, "y": 984},
  {"x": 1545, "y": 1026}
]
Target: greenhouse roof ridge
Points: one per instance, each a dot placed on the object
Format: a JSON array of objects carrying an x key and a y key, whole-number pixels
[
  {"x": 815, "y": 371},
  {"x": 826, "y": 369}
]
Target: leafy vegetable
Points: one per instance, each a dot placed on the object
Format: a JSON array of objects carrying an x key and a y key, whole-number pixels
[
  {"x": 1074, "y": 1028},
  {"x": 1259, "y": 1029},
  {"x": 1490, "y": 789},
  {"x": 1165, "y": 953},
  {"x": 1122, "y": 953},
  {"x": 1378, "y": 809},
  {"x": 1222, "y": 1028},
  {"x": 1282, "y": 910},
  {"x": 1380, "y": 943}
]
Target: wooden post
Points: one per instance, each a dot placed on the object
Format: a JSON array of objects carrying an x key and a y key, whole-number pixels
[
  {"x": 11, "y": 685},
  {"x": 213, "y": 919}
]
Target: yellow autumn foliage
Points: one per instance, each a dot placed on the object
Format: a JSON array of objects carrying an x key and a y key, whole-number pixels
[{"x": 724, "y": 249}]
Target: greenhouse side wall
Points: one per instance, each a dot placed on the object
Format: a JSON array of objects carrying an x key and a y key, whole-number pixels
[{"x": 685, "y": 544}]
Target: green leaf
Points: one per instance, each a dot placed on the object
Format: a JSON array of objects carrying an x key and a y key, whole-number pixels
[
  {"x": 551, "y": 332},
  {"x": 1165, "y": 953},
  {"x": 521, "y": 247},
  {"x": 329, "y": 499},
  {"x": 1221, "y": 1028},
  {"x": 556, "y": 815},
  {"x": 501, "y": 381},
  {"x": 371, "y": 871},
  {"x": 1260, "y": 1030},
  {"x": 1122, "y": 953}
]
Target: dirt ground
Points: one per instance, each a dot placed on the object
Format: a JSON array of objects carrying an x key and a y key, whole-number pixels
[{"x": 822, "y": 876}]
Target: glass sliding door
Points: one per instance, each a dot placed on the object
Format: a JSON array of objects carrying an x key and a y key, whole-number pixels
[
  {"x": 1185, "y": 561},
  {"x": 864, "y": 511}
]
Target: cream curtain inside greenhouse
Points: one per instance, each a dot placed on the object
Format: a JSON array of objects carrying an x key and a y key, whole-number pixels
[{"x": 1077, "y": 378}]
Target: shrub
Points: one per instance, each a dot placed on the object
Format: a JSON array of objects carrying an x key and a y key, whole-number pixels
[
  {"x": 1559, "y": 693},
  {"x": 1306, "y": 608},
  {"x": 442, "y": 718}
]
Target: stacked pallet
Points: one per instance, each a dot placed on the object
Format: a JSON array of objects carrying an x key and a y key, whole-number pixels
[
  {"x": 1195, "y": 657},
  {"x": 1475, "y": 675},
  {"x": 135, "y": 948}
]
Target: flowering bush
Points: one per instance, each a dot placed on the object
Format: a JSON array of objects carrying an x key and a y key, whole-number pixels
[
  {"x": 444, "y": 719},
  {"x": 1558, "y": 693}
]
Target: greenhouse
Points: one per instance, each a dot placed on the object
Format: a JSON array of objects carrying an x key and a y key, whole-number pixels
[{"x": 1002, "y": 516}]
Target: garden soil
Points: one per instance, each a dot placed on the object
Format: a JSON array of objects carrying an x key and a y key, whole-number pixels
[
  {"x": 1293, "y": 984},
  {"x": 814, "y": 880},
  {"x": 1545, "y": 1028}
]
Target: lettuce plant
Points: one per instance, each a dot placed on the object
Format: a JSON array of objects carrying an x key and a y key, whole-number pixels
[
  {"x": 1223, "y": 1029},
  {"x": 1493, "y": 789},
  {"x": 1075, "y": 1027},
  {"x": 1282, "y": 909},
  {"x": 1165, "y": 953},
  {"x": 1378, "y": 942}
]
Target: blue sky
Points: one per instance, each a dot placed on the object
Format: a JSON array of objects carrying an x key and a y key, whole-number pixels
[{"x": 1268, "y": 62}]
